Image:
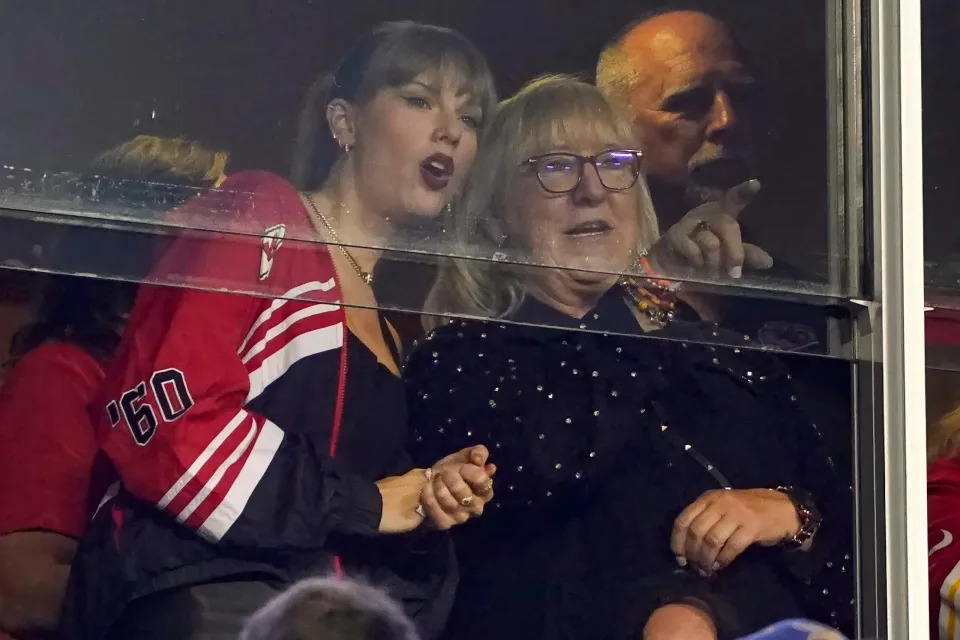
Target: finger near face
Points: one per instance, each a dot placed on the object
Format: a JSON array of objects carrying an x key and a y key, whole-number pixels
[
  {"x": 715, "y": 540},
  {"x": 710, "y": 246},
  {"x": 727, "y": 231},
  {"x": 689, "y": 250}
]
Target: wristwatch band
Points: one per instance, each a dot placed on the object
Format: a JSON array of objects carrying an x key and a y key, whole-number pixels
[{"x": 807, "y": 513}]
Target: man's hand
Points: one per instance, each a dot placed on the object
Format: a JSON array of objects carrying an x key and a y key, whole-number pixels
[
  {"x": 720, "y": 525},
  {"x": 707, "y": 240}
]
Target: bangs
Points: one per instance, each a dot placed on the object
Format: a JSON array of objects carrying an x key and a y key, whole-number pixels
[
  {"x": 438, "y": 53},
  {"x": 569, "y": 116}
]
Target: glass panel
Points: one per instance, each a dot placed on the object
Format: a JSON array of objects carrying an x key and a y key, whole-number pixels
[
  {"x": 941, "y": 253},
  {"x": 760, "y": 116},
  {"x": 641, "y": 355}
]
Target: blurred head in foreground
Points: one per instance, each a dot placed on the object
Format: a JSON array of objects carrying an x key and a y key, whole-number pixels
[{"x": 330, "y": 609}]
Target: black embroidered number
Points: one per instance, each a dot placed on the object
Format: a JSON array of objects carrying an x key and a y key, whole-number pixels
[
  {"x": 139, "y": 414},
  {"x": 169, "y": 387},
  {"x": 173, "y": 397}
]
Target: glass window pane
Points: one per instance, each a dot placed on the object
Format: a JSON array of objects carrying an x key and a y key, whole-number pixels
[{"x": 305, "y": 249}]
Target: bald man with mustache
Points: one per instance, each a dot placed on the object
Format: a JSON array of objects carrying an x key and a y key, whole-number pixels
[{"x": 683, "y": 79}]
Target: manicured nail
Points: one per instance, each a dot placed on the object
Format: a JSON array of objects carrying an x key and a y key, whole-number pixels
[
  {"x": 736, "y": 272},
  {"x": 681, "y": 561}
]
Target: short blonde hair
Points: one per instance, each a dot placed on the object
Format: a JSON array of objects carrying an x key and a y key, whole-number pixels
[{"x": 545, "y": 110}]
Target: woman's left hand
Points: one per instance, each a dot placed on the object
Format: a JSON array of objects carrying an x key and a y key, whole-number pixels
[
  {"x": 720, "y": 525},
  {"x": 458, "y": 488}
]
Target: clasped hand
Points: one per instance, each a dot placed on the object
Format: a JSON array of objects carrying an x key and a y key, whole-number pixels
[{"x": 450, "y": 492}]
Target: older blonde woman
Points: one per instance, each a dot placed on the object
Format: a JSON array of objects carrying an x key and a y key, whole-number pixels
[{"x": 662, "y": 489}]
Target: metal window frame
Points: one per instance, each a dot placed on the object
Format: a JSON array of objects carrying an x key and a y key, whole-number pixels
[{"x": 890, "y": 393}]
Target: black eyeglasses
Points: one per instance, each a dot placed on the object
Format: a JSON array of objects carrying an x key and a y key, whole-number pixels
[{"x": 618, "y": 169}]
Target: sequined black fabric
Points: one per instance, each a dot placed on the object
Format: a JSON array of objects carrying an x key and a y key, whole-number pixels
[{"x": 600, "y": 441}]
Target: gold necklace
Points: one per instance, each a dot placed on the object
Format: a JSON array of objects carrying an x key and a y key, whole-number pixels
[{"x": 366, "y": 276}]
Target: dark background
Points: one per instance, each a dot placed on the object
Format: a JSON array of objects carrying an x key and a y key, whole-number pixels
[
  {"x": 79, "y": 77},
  {"x": 941, "y": 141}
]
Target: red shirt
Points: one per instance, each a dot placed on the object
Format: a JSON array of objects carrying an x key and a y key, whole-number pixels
[
  {"x": 50, "y": 471},
  {"x": 943, "y": 534},
  {"x": 942, "y": 326}
]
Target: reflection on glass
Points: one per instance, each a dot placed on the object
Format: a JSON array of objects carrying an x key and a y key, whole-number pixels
[{"x": 638, "y": 245}]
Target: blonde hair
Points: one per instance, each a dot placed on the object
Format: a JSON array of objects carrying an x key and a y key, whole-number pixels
[
  {"x": 546, "y": 110},
  {"x": 943, "y": 414},
  {"x": 391, "y": 54},
  {"x": 156, "y": 159}
]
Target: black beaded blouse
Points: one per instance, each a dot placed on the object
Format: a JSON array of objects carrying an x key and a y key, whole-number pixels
[{"x": 600, "y": 441}]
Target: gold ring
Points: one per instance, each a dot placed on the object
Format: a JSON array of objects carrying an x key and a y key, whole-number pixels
[
  {"x": 702, "y": 225},
  {"x": 488, "y": 485},
  {"x": 466, "y": 501}
]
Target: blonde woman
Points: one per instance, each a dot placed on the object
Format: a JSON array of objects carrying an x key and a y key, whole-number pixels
[
  {"x": 659, "y": 488},
  {"x": 259, "y": 439}
]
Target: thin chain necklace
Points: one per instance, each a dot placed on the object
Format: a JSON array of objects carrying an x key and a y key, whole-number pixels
[{"x": 366, "y": 276}]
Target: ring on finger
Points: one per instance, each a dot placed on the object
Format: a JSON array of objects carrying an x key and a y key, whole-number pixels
[
  {"x": 466, "y": 501},
  {"x": 487, "y": 486},
  {"x": 420, "y": 511},
  {"x": 702, "y": 225}
]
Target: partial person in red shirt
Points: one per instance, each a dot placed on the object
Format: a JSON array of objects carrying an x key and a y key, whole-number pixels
[
  {"x": 51, "y": 473},
  {"x": 943, "y": 479}
]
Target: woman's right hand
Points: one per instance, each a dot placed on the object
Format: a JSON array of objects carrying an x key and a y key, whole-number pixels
[
  {"x": 400, "y": 496},
  {"x": 439, "y": 490}
]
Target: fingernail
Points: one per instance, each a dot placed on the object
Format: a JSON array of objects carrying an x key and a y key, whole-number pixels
[
  {"x": 736, "y": 272},
  {"x": 749, "y": 188},
  {"x": 681, "y": 561}
]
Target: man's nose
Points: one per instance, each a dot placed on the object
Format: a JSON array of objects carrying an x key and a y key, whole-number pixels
[{"x": 723, "y": 117}]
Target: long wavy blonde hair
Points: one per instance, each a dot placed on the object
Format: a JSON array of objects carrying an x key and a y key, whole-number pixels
[{"x": 484, "y": 275}]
